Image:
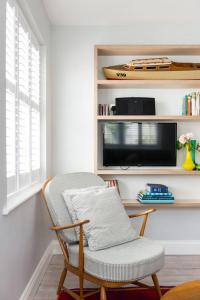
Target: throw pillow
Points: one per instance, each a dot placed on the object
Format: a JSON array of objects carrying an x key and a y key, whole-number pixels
[
  {"x": 68, "y": 195},
  {"x": 109, "y": 223}
]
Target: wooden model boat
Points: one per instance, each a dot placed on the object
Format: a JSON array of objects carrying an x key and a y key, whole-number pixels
[{"x": 153, "y": 68}]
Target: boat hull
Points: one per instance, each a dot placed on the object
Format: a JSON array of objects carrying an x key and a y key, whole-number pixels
[
  {"x": 151, "y": 75},
  {"x": 173, "y": 71}
]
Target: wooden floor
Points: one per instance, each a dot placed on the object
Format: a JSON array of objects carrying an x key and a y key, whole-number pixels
[{"x": 177, "y": 269}]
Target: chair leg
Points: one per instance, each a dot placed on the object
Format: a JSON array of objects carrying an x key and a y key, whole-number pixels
[
  {"x": 81, "y": 286},
  {"x": 62, "y": 279},
  {"x": 156, "y": 284},
  {"x": 103, "y": 293}
]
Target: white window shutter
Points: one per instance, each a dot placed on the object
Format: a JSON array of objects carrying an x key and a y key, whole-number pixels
[
  {"x": 35, "y": 110},
  {"x": 23, "y": 86}
]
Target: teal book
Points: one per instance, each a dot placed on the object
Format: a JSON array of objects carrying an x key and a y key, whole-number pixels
[
  {"x": 156, "y": 201},
  {"x": 146, "y": 193},
  {"x": 184, "y": 106},
  {"x": 156, "y": 198}
]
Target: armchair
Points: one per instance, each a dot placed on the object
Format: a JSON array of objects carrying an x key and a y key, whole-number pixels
[{"x": 109, "y": 268}]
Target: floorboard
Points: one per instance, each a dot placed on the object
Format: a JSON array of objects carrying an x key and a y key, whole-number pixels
[{"x": 178, "y": 269}]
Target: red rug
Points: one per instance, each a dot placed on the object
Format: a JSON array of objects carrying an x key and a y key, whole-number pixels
[{"x": 136, "y": 294}]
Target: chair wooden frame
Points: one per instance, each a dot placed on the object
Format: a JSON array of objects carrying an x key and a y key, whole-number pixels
[{"x": 79, "y": 271}]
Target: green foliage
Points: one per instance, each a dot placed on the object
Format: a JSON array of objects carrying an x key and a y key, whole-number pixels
[{"x": 179, "y": 145}]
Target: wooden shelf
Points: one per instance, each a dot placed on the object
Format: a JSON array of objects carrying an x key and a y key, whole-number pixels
[
  {"x": 148, "y": 171},
  {"x": 177, "y": 204},
  {"x": 149, "y": 118},
  {"x": 148, "y": 84},
  {"x": 161, "y": 50},
  {"x": 142, "y": 50}
]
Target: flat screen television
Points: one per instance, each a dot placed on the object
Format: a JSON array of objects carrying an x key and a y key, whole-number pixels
[{"x": 139, "y": 144}]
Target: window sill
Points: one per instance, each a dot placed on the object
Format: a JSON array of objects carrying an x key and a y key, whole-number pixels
[{"x": 17, "y": 199}]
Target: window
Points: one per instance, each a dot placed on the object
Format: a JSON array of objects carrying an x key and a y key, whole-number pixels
[
  {"x": 23, "y": 113},
  {"x": 131, "y": 134},
  {"x": 149, "y": 134}
]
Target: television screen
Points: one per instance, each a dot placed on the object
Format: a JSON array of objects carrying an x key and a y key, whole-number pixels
[{"x": 139, "y": 144}]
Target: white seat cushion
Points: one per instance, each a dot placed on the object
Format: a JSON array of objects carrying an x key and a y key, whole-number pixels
[{"x": 126, "y": 262}]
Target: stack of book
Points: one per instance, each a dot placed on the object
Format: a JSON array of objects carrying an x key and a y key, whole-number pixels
[
  {"x": 113, "y": 183},
  {"x": 106, "y": 109},
  {"x": 155, "y": 194},
  {"x": 191, "y": 104}
]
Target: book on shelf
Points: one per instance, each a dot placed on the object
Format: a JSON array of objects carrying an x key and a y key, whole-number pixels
[
  {"x": 155, "y": 193},
  {"x": 106, "y": 109},
  {"x": 155, "y": 198},
  {"x": 156, "y": 188},
  {"x": 156, "y": 201},
  {"x": 147, "y": 194},
  {"x": 141, "y": 195},
  {"x": 191, "y": 104},
  {"x": 113, "y": 183}
]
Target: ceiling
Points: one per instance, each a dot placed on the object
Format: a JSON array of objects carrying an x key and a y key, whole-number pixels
[{"x": 121, "y": 12}]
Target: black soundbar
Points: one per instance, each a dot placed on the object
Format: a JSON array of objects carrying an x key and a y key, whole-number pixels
[{"x": 135, "y": 106}]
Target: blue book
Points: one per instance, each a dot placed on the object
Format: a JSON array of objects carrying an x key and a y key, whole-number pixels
[
  {"x": 156, "y": 188},
  {"x": 156, "y": 201},
  {"x": 146, "y": 193},
  {"x": 155, "y": 197}
]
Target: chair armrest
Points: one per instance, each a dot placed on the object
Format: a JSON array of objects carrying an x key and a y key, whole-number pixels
[
  {"x": 144, "y": 214},
  {"x": 69, "y": 226},
  {"x": 81, "y": 246}
]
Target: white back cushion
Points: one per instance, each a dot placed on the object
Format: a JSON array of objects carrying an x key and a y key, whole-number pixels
[
  {"x": 69, "y": 194},
  {"x": 109, "y": 224}
]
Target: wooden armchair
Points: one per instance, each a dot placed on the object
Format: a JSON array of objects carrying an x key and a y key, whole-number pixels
[{"x": 144, "y": 258}]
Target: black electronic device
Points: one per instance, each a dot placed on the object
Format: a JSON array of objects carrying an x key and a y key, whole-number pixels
[
  {"x": 139, "y": 144},
  {"x": 135, "y": 106}
]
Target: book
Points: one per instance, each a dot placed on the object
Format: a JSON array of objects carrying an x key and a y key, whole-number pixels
[
  {"x": 189, "y": 106},
  {"x": 155, "y": 198},
  {"x": 184, "y": 106},
  {"x": 156, "y": 201},
  {"x": 104, "y": 110},
  {"x": 193, "y": 104},
  {"x": 156, "y": 188},
  {"x": 113, "y": 183},
  {"x": 197, "y": 104},
  {"x": 142, "y": 196},
  {"x": 145, "y": 193}
]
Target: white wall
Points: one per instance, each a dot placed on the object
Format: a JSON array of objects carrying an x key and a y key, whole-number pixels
[
  {"x": 24, "y": 234},
  {"x": 72, "y": 112}
]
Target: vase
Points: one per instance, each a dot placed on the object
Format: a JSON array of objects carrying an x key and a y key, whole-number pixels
[
  {"x": 188, "y": 163},
  {"x": 193, "y": 150},
  {"x": 197, "y": 164}
]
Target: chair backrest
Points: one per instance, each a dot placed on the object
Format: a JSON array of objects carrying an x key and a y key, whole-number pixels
[{"x": 55, "y": 202}]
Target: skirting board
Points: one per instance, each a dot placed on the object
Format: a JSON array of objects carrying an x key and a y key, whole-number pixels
[
  {"x": 181, "y": 247},
  {"x": 39, "y": 272}
]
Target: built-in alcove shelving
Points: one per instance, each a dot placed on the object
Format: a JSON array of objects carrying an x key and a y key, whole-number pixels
[{"x": 101, "y": 84}]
